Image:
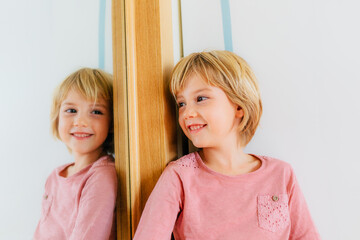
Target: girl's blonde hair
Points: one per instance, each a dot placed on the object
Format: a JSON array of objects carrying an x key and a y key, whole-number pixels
[
  {"x": 233, "y": 75},
  {"x": 92, "y": 84}
]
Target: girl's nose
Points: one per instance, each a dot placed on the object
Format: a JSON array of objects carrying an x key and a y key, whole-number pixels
[
  {"x": 80, "y": 121},
  {"x": 190, "y": 112}
]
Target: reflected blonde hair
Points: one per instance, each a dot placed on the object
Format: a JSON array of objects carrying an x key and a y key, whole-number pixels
[
  {"x": 92, "y": 84},
  {"x": 231, "y": 73}
]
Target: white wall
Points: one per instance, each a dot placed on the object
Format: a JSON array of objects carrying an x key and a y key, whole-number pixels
[
  {"x": 305, "y": 54},
  {"x": 42, "y": 41},
  {"x": 306, "y": 57}
]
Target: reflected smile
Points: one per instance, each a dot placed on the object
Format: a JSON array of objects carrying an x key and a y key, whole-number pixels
[{"x": 81, "y": 135}]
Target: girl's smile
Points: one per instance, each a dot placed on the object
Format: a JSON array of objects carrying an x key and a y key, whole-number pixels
[
  {"x": 196, "y": 127},
  {"x": 81, "y": 135}
]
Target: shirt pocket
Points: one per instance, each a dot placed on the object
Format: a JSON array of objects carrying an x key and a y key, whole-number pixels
[
  {"x": 273, "y": 212},
  {"x": 45, "y": 206}
]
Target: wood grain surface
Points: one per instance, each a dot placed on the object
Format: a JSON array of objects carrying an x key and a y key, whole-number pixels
[{"x": 145, "y": 125}]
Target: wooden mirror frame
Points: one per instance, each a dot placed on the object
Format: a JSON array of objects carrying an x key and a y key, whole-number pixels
[{"x": 144, "y": 112}]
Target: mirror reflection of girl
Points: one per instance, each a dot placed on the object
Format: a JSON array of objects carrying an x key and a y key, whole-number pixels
[
  {"x": 220, "y": 192},
  {"x": 79, "y": 198}
]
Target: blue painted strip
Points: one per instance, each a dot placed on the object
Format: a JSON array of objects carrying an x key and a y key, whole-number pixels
[
  {"x": 226, "y": 20},
  {"x": 102, "y": 34}
]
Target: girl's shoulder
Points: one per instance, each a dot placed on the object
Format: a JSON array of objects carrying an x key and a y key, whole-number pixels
[
  {"x": 180, "y": 170},
  {"x": 103, "y": 166},
  {"x": 273, "y": 165},
  {"x": 189, "y": 161},
  {"x": 107, "y": 161}
]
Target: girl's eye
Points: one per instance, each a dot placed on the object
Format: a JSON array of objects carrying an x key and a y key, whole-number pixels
[
  {"x": 200, "y": 98},
  {"x": 97, "y": 112},
  {"x": 181, "y": 104},
  {"x": 71, "y": 110}
]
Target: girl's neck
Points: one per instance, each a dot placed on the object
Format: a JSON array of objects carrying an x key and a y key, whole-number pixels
[
  {"x": 82, "y": 161},
  {"x": 229, "y": 161}
]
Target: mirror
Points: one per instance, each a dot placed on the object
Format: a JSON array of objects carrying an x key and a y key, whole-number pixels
[{"x": 42, "y": 42}]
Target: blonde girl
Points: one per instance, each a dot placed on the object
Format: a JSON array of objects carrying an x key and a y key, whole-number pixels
[
  {"x": 221, "y": 192},
  {"x": 79, "y": 198}
]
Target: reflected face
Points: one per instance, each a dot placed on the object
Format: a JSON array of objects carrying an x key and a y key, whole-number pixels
[
  {"x": 206, "y": 115},
  {"x": 83, "y": 124}
]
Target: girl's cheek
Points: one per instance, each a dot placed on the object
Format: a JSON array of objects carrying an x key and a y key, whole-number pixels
[
  {"x": 182, "y": 125},
  {"x": 180, "y": 117}
]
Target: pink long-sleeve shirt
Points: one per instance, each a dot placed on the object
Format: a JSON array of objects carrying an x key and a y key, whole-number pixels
[
  {"x": 80, "y": 206},
  {"x": 194, "y": 202}
]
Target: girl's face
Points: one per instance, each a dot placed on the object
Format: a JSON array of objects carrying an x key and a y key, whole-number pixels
[
  {"x": 206, "y": 115},
  {"x": 83, "y": 124}
]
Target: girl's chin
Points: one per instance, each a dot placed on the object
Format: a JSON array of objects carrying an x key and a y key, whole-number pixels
[{"x": 199, "y": 145}]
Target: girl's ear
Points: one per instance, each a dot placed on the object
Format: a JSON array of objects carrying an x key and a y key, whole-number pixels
[{"x": 239, "y": 112}]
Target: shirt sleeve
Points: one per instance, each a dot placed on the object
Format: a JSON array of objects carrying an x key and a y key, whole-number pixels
[
  {"x": 162, "y": 208},
  {"x": 302, "y": 225},
  {"x": 96, "y": 206}
]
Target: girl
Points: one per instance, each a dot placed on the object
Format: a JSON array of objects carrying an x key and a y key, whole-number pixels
[
  {"x": 79, "y": 198},
  {"x": 221, "y": 192}
]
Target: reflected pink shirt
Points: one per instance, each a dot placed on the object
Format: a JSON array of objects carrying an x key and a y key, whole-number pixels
[
  {"x": 80, "y": 206},
  {"x": 194, "y": 202}
]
